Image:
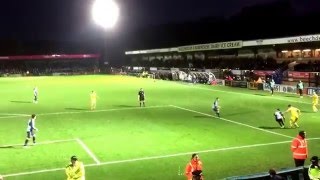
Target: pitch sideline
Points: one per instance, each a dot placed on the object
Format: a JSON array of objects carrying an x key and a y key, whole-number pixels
[
  {"x": 234, "y": 122},
  {"x": 270, "y": 97},
  {"x": 155, "y": 157}
]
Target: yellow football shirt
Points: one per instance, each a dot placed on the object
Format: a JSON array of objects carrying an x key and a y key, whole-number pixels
[
  {"x": 93, "y": 96},
  {"x": 75, "y": 172},
  {"x": 315, "y": 99},
  {"x": 294, "y": 111}
]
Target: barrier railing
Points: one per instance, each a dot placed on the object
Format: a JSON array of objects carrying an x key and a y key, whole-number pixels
[{"x": 300, "y": 173}]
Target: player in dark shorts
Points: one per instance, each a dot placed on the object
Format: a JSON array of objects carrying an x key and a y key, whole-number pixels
[
  {"x": 141, "y": 97},
  {"x": 279, "y": 117},
  {"x": 35, "y": 95},
  {"x": 31, "y": 128},
  {"x": 216, "y": 107}
]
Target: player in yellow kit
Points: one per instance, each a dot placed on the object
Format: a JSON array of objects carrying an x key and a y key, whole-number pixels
[
  {"x": 315, "y": 101},
  {"x": 75, "y": 170},
  {"x": 93, "y": 100},
  {"x": 295, "y": 113}
]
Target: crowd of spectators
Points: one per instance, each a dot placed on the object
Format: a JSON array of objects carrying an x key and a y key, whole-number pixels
[
  {"x": 47, "y": 67},
  {"x": 308, "y": 67},
  {"x": 221, "y": 63},
  {"x": 257, "y": 63},
  {"x": 12, "y": 67}
]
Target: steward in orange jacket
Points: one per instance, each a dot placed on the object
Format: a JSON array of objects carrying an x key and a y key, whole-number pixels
[
  {"x": 299, "y": 149},
  {"x": 194, "y": 168}
]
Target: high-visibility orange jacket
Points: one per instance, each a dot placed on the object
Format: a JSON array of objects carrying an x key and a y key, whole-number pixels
[
  {"x": 299, "y": 148},
  {"x": 193, "y": 165}
]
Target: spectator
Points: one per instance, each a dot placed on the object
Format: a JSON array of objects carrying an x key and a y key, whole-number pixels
[
  {"x": 314, "y": 171},
  {"x": 259, "y": 80},
  {"x": 229, "y": 78},
  {"x": 274, "y": 176}
]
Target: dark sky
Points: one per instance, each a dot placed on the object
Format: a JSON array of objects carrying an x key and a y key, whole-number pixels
[
  {"x": 70, "y": 19},
  {"x": 163, "y": 11}
]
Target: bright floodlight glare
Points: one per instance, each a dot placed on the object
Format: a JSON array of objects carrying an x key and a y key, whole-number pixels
[{"x": 105, "y": 13}]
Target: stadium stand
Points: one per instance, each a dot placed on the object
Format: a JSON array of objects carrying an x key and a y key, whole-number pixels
[{"x": 49, "y": 65}]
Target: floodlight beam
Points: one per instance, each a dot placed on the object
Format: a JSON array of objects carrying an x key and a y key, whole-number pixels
[{"x": 105, "y": 13}]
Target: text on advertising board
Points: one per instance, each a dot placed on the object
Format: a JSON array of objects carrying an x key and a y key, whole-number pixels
[
  {"x": 263, "y": 73},
  {"x": 310, "y": 38},
  {"x": 295, "y": 74},
  {"x": 281, "y": 88},
  {"x": 211, "y": 46}
]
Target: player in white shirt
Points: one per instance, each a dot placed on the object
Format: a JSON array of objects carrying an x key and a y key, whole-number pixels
[
  {"x": 279, "y": 117},
  {"x": 31, "y": 128},
  {"x": 216, "y": 107},
  {"x": 35, "y": 95}
]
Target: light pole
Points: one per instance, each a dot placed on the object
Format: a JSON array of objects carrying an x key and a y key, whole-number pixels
[{"x": 105, "y": 13}]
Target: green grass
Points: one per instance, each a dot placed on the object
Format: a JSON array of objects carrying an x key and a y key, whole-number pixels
[{"x": 144, "y": 143}]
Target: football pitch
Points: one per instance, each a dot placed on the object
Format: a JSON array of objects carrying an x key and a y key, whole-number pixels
[{"x": 122, "y": 141}]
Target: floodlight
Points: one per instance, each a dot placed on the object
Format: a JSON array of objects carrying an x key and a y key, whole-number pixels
[{"x": 105, "y": 13}]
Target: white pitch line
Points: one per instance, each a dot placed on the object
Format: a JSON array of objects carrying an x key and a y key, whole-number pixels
[
  {"x": 89, "y": 111},
  {"x": 201, "y": 151},
  {"x": 15, "y": 116},
  {"x": 156, "y": 157},
  {"x": 11, "y": 114},
  {"x": 33, "y": 172},
  {"x": 231, "y": 92},
  {"x": 235, "y": 122},
  {"x": 40, "y": 143},
  {"x": 86, "y": 148}
]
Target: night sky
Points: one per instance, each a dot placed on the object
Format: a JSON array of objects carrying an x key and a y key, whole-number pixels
[{"x": 71, "y": 20}]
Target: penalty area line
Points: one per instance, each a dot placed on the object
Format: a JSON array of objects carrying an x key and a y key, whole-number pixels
[
  {"x": 90, "y": 153},
  {"x": 157, "y": 157},
  {"x": 228, "y": 120}
]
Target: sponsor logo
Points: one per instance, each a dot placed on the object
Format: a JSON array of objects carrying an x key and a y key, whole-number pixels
[
  {"x": 211, "y": 46},
  {"x": 304, "y": 39},
  {"x": 280, "y": 88}
]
